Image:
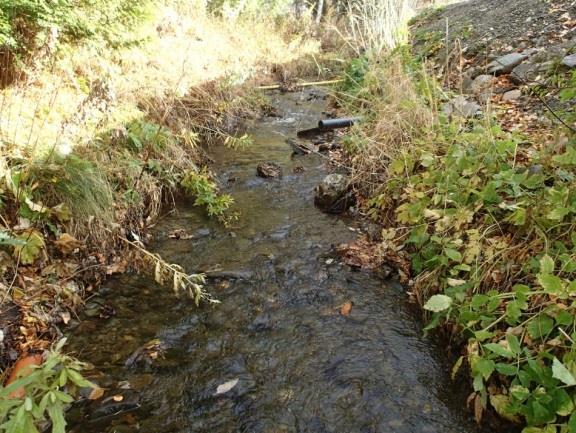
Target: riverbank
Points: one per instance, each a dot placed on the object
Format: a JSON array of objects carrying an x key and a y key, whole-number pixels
[
  {"x": 99, "y": 139},
  {"x": 464, "y": 158}
]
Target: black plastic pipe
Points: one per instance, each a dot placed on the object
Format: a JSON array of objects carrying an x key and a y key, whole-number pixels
[{"x": 330, "y": 124}]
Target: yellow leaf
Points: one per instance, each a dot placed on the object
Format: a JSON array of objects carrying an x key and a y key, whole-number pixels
[
  {"x": 96, "y": 393},
  {"x": 67, "y": 244},
  {"x": 345, "y": 309}
]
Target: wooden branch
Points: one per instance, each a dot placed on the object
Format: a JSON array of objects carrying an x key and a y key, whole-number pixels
[{"x": 307, "y": 84}]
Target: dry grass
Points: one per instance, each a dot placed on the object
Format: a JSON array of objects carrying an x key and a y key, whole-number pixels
[
  {"x": 396, "y": 119},
  {"x": 377, "y": 26},
  {"x": 91, "y": 88}
]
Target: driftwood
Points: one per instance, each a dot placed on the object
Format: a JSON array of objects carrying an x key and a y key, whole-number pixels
[{"x": 307, "y": 84}]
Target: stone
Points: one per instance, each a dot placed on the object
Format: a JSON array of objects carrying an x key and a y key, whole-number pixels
[
  {"x": 481, "y": 84},
  {"x": 269, "y": 170},
  {"x": 461, "y": 107},
  {"x": 505, "y": 64},
  {"x": 512, "y": 95},
  {"x": 481, "y": 87},
  {"x": 527, "y": 73},
  {"x": 569, "y": 61},
  {"x": 110, "y": 407},
  {"x": 333, "y": 194}
]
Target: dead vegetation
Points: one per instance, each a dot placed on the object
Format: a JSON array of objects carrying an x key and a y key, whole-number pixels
[{"x": 95, "y": 144}]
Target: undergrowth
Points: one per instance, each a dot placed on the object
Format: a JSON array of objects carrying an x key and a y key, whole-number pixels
[
  {"x": 42, "y": 394},
  {"x": 103, "y": 112},
  {"x": 485, "y": 221}
]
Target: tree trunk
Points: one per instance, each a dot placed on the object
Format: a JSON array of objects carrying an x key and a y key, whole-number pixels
[{"x": 319, "y": 11}]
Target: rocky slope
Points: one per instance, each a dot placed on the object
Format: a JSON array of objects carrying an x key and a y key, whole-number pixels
[{"x": 516, "y": 52}]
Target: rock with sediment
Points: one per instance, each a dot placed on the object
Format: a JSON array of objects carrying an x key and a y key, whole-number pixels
[
  {"x": 269, "y": 170},
  {"x": 333, "y": 195},
  {"x": 529, "y": 72}
]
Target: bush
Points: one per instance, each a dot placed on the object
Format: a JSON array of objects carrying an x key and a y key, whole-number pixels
[
  {"x": 486, "y": 219},
  {"x": 27, "y": 25},
  {"x": 48, "y": 389}
]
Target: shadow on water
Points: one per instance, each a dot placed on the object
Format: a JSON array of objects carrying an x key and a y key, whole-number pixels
[{"x": 295, "y": 363}]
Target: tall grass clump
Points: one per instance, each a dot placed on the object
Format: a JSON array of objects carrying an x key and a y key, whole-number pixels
[
  {"x": 481, "y": 222},
  {"x": 397, "y": 115},
  {"x": 377, "y": 26}
]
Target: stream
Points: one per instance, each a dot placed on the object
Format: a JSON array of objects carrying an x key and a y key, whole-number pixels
[{"x": 277, "y": 355}]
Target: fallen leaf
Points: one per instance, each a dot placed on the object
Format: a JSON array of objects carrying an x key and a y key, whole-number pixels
[
  {"x": 345, "y": 309},
  {"x": 96, "y": 393},
  {"x": 478, "y": 408},
  {"x": 227, "y": 386},
  {"x": 67, "y": 244},
  {"x": 65, "y": 317},
  {"x": 22, "y": 368}
]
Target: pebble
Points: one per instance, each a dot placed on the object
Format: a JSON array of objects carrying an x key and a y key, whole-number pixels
[
  {"x": 569, "y": 61},
  {"x": 512, "y": 95}
]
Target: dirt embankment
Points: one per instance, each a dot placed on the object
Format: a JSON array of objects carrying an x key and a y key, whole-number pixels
[{"x": 527, "y": 46}]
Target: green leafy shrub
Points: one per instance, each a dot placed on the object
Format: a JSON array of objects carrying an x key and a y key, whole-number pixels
[
  {"x": 27, "y": 25},
  {"x": 49, "y": 388},
  {"x": 486, "y": 219},
  {"x": 206, "y": 192}
]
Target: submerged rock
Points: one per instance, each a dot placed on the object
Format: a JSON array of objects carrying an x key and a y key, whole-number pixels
[
  {"x": 269, "y": 170},
  {"x": 333, "y": 195},
  {"x": 114, "y": 406}
]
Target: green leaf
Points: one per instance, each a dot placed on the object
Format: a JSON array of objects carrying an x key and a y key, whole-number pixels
[
  {"x": 518, "y": 217},
  {"x": 572, "y": 423},
  {"x": 562, "y": 402},
  {"x": 560, "y": 372},
  {"x": 78, "y": 379},
  {"x": 519, "y": 393},
  {"x": 514, "y": 344},
  {"x": 558, "y": 213},
  {"x": 453, "y": 254},
  {"x": 34, "y": 244},
  {"x": 499, "y": 350},
  {"x": 546, "y": 264},
  {"x": 485, "y": 367},
  {"x": 483, "y": 335},
  {"x": 456, "y": 367},
  {"x": 438, "y": 303},
  {"x": 506, "y": 369},
  {"x": 541, "y": 326},
  {"x": 501, "y": 404},
  {"x": 551, "y": 283},
  {"x": 56, "y": 413}
]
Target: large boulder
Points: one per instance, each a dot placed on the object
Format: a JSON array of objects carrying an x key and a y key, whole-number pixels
[{"x": 333, "y": 195}]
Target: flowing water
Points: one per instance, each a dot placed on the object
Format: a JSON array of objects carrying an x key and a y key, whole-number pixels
[{"x": 277, "y": 355}]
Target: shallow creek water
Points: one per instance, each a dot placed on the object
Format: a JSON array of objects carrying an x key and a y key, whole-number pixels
[{"x": 298, "y": 365}]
